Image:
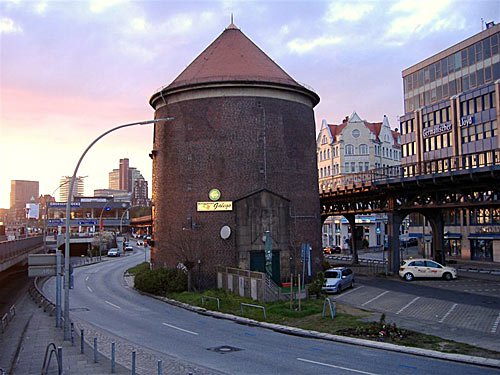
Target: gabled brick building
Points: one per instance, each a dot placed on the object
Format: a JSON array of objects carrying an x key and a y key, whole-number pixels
[{"x": 242, "y": 126}]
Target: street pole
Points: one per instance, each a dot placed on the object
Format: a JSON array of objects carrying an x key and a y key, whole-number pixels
[{"x": 68, "y": 218}]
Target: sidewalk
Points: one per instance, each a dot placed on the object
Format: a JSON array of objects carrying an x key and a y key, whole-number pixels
[{"x": 26, "y": 338}]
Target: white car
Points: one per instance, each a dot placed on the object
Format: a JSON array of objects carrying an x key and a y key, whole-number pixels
[
  {"x": 114, "y": 252},
  {"x": 140, "y": 243},
  {"x": 412, "y": 268}
]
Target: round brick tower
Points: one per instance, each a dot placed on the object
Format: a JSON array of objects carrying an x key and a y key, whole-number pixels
[{"x": 245, "y": 129}]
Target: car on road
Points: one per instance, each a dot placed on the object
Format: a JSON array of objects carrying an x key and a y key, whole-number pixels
[
  {"x": 332, "y": 250},
  {"x": 113, "y": 252},
  {"x": 338, "y": 279},
  {"x": 129, "y": 248},
  {"x": 412, "y": 268},
  {"x": 410, "y": 242},
  {"x": 140, "y": 243}
]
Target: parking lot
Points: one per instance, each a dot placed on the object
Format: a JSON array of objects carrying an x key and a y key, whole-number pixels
[{"x": 465, "y": 309}]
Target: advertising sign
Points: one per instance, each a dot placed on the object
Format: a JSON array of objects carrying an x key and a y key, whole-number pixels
[
  {"x": 214, "y": 206},
  {"x": 32, "y": 210}
]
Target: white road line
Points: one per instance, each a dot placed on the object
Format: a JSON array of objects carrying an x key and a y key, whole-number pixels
[
  {"x": 87, "y": 278},
  {"x": 374, "y": 298},
  {"x": 448, "y": 313},
  {"x": 180, "y": 329},
  {"x": 90, "y": 290},
  {"x": 333, "y": 366},
  {"x": 112, "y": 304},
  {"x": 352, "y": 290},
  {"x": 407, "y": 305},
  {"x": 495, "y": 325}
]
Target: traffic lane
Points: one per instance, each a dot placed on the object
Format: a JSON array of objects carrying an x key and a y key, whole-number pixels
[
  {"x": 170, "y": 338},
  {"x": 451, "y": 291}
]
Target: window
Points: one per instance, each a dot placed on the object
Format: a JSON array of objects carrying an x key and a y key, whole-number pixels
[
  {"x": 355, "y": 133},
  {"x": 349, "y": 149},
  {"x": 363, "y": 149},
  {"x": 367, "y": 165},
  {"x": 353, "y": 167}
]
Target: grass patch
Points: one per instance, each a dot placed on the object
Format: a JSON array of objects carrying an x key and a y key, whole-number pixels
[
  {"x": 144, "y": 266},
  {"x": 348, "y": 321}
]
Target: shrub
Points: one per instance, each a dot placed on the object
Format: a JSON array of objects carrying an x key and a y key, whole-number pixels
[
  {"x": 317, "y": 284},
  {"x": 161, "y": 281}
]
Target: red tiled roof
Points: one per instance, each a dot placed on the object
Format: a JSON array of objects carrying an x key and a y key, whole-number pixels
[{"x": 232, "y": 57}]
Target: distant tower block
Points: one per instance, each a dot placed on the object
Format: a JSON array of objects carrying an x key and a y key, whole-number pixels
[{"x": 245, "y": 127}]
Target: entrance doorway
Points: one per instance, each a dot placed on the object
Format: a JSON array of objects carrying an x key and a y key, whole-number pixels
[{"x": 258, "y": 263}]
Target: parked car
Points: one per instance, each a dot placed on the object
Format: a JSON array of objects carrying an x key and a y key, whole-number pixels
[
  {"x": 338, "y": 279},
  {"x": 113, "y": 252},
  {"x": 412, "y": 268},
  {"x": 129, "y": 248}
]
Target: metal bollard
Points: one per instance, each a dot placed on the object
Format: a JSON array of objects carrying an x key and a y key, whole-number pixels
[
  {"x": 59, "y": 360},
  {"x": 113, "y": 357},
  {"x": 133, "y": 363},
  {"x": 95, "y": 350},
  {"x": 72, "y": 334},
  {"x": 160, "y": 367},
  {"x": 81, "y": 342}
]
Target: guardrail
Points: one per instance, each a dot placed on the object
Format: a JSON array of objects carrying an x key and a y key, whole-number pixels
[
  {"x": 454, "y": 165},
  {"x": 7, "y": 317},
  {"x": 204, "y": 298},
  {"x": 254, "y": 306}
]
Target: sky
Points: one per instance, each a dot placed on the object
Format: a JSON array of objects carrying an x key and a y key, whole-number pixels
[{"x": 71, "y": 70}]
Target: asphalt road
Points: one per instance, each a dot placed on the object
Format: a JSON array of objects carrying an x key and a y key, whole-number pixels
[{"x": 101, "y": 298}]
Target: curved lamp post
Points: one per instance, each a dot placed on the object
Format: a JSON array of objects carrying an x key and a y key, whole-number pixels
[{"x": 68, "y": 212}]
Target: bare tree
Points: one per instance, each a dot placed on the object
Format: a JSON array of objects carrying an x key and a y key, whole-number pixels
[{"x": 187, "y": 248}]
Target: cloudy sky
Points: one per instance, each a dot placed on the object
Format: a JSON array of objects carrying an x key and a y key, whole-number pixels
[{"x": 70, "y": 70}]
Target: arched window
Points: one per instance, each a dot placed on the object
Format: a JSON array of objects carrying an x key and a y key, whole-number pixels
[
  {"x": 328, "y": 154},
  {"x": 349, "y": 149},
  {"x": 363, "y": 149},
  {"x": 329, "y": 171}
]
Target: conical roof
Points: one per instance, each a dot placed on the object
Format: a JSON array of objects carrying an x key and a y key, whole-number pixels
[{"x": 233, "y": 57}]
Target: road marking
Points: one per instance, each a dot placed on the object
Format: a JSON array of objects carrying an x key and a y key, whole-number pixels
[
  {"x": 374, "y": 298},
  {"x": 333, "y": 366},
  {"x": 180, "y": 329},
  {"x": 448, "y": 313},
  {"x": 495, "y": 325},
  {"x": 407, "y": 305},
  {"x": 112, "y": 304},
  {"x": 87, "y": 278},
  {"x": 353, "y": 290},
  {"x": 90, "y": 290}
]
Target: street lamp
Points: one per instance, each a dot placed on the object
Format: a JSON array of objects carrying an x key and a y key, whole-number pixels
[
  {"x": 101, "y": 228},
  {"x": 68, "y": 205}
]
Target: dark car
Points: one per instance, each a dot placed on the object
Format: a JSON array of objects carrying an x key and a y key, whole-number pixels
[{"x": 412, "y": 241}]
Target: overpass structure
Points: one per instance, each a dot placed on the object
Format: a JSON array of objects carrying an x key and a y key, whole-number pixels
[
  {"x": 428, "y": 188},
  {"x": 17, "y": 251}
]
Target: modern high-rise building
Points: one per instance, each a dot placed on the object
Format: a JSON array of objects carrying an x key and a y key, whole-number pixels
[
  {"x": 124, "y": 175},
  {"x": 22, "y": 192},
  {"x": 451, "y": 103},
  {"x": 140, "y": 193},
  {"x": 114, "y": 179},
  {"x": 64, "y": 186},
  {"x": 451, "y": 100}
]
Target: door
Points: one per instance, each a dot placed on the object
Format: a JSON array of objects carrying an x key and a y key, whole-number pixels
[{"x": 258, "y": 263}]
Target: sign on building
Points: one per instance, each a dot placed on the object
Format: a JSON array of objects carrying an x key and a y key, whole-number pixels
[{"x": 214, "y": 206}]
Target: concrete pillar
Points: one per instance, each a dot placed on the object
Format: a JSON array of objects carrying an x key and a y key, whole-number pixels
[
  {"x": 394, "y": 221},
  {"x": 435, "y": 217},
  {"x": 351, "y": 218}
]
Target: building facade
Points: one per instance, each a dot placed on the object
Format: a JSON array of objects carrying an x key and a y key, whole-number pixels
[
  {"x": 21, "y": 192},
  {"x": 451, "y": 109},
  {"x": 114, "y": 179},
  {"x": 124, "y": 174},
  {"x": 354, "y": 146},
  {"x": 236, "y": 167},
  {"x": 64, "y": 186},
  {"x": 140, "y": 193}
]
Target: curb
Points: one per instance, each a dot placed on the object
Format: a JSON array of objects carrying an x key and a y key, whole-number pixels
[{"x": 461, "y": 358}]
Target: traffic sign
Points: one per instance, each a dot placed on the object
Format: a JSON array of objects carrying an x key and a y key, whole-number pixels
[{"x": 42, "y": 260}]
